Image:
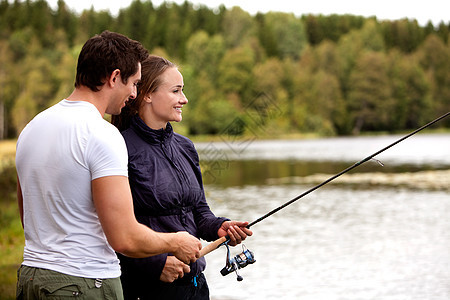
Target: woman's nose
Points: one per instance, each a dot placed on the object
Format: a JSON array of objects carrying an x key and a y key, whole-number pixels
[{"x": 184, "y": 99}]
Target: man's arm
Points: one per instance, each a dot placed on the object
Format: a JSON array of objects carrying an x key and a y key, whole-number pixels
[
  {"x": 20, "y": 200},
  {"x": 113, "y": 201}
]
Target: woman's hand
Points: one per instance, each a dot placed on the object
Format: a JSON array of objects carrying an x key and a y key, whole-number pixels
[
  {"x": 173, "y": 269},
  {"x": 237, "y": 231}
]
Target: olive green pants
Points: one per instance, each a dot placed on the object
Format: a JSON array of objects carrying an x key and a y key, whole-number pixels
[{"x": 36, "y": 283}]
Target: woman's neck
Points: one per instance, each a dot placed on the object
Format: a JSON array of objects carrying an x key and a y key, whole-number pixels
[{"x": 151, "y": 122}]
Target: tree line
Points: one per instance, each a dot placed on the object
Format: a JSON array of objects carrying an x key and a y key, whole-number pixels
[{"x": 273, "y": 72}]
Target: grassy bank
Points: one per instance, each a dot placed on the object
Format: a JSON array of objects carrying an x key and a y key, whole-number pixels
[
  {"x": 11, "y": 233},
  {"x": 11, "y": 248}
]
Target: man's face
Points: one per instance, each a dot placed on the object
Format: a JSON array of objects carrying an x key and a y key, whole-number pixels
[{"x": 123, "y": 92}]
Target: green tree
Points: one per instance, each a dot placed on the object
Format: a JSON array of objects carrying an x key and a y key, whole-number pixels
[
  {"x": 175, "y": 32},
  {"x": 204, "y": 53},
  {"x": 64, "y": 72},
  {"x": 322, "y": 57},
  {"x": 289, "y": 33},
  {"x": 403, "y": 34},
  {"x": 434, "y": 57},
  {"x": 350, "y": 47},
  {"x": 4, "y": 6},
  {"x": 203, "y": 18},
  {"x": 39, "y": 18},
  {"x": 36, "y": 86},
  {"x": 301, "y": 83},
  {"x": 313, "y": 30},
  {"x": 6, "y": 92},
  {"x": 270, "y": 109},
  {"x": 371, "y": 37},
  {"x": 92, "y": 23},
  {"x": 443, "y": 31},
  {"x": 237, "y": 27},
  {"x": 318, "y": 103},
  {"x": 411, "y": 91},
  {"x": 333, "y": 27},
  {"x": 268, "y": 77},
  {"x": 67, "y": 21},
  {"x": 212, "y": 112},
  {"x": 235, "y": 71},
  {"x": 14, "y": 16},
  {"x": 266, "y": 36},
  {"x": 135, "y": 19},
  {"x": 322, "y": 90},
  {"x": 429, "y": 29},
  {"x": 369, "y": 97},
  {"x": 154, "y": 30}
]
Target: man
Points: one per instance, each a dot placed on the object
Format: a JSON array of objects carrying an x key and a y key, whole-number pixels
[{"x": 73, "y": 193}]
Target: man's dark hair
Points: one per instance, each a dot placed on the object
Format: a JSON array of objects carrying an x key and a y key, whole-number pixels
[{"x": 104, "y": 53}]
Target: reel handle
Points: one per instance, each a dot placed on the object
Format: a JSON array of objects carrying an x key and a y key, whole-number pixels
[{"x": 213, "y": 246}]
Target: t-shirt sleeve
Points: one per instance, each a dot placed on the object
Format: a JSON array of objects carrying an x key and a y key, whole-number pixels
[{"x": 107, "y": 154}]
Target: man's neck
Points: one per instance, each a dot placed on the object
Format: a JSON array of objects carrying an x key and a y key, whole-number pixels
[{"x": 86, "y": 94}]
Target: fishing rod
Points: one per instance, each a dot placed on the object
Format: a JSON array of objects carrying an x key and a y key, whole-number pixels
[
  {"x": 346, "y": 170},
  {"x": 246, "y": 257}
]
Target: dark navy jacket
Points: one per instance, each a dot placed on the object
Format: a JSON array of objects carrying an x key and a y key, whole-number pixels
[{"x": 168, "y": 194}]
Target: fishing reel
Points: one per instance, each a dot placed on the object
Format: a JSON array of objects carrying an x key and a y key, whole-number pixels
[{"x": 238, "y": 262}]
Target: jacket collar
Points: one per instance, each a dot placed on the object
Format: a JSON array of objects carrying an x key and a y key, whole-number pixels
[{"x": 151, "y": 135}]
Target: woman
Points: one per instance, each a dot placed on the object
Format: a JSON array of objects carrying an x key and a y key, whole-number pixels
[{"x": 167, "y": 187}]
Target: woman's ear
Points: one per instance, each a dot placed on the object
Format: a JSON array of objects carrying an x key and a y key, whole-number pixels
[{"x": 148, "y": 98}]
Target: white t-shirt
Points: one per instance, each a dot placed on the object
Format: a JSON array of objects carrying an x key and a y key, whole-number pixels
[{"x": 58, "y": 154}]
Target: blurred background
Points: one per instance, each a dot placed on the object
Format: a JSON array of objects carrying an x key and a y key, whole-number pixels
[
  {"x": 327, "y": 74},
  {"x": 279, "y": 100}
]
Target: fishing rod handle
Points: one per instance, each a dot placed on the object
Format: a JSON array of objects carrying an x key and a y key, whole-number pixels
[{"x": 212, "y": 246}]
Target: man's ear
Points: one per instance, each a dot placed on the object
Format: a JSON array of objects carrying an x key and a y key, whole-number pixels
[{"x": 114, "y": 77}]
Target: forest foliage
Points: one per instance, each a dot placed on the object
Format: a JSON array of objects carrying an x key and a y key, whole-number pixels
[{"x": 273, "y": 72}]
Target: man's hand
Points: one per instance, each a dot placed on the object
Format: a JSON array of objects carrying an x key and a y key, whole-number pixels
[
  {"x": 187, "y": 247},
  {"x": 173, "y": 269},
  {"x": 237, "y": 231}
]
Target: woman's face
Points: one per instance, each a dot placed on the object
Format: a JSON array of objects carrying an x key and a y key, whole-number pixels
[{"x": 166, "y": 103}]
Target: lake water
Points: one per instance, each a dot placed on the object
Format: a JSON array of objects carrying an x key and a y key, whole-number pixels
[{"x": 339, "y": 242}]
